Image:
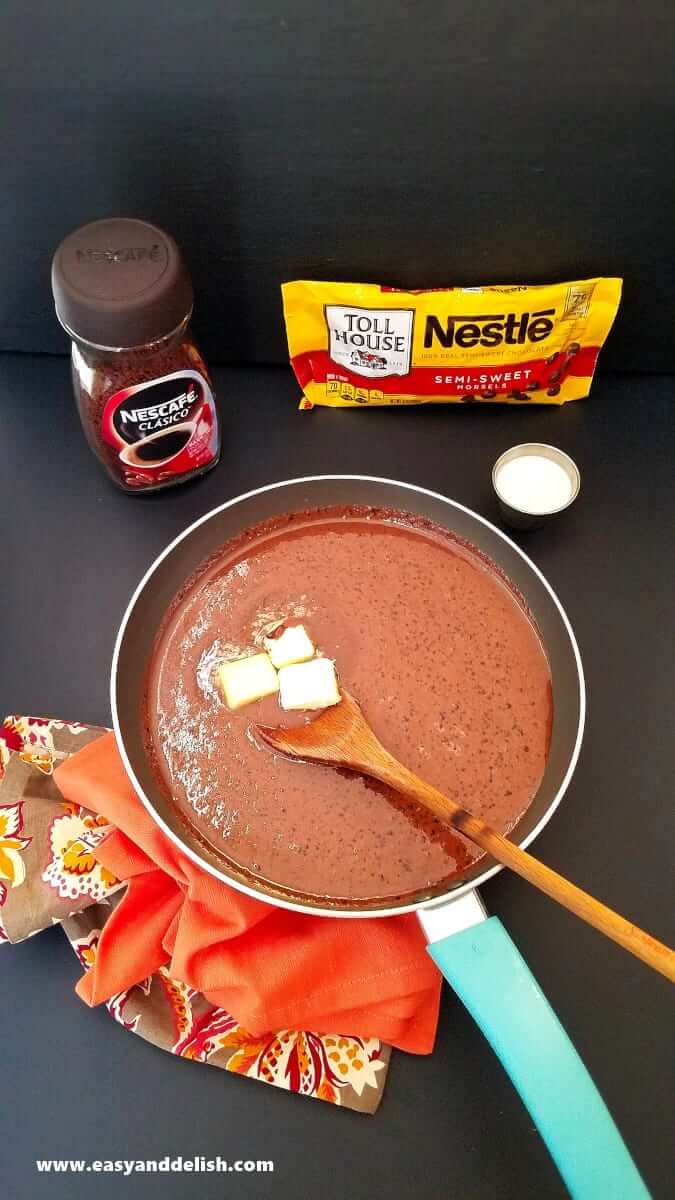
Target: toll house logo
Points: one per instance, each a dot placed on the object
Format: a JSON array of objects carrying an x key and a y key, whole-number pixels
[
  {"x": 373, "y": 342},
  {"x": 364, "y": 358}
]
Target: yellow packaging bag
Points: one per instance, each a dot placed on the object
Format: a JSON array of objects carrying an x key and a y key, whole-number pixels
[{"x": 354, "y": 344}]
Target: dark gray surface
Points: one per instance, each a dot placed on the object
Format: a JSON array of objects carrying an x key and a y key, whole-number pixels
[
  {"x": 74, "y": 1083},
  {"x": 419, "y": 145}
]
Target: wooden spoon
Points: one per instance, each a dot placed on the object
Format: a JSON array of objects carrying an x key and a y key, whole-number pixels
[{"x": 341, "y": 737}]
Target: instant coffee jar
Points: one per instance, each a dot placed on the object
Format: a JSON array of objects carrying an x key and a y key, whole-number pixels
[{"x": 124, "y": 296}]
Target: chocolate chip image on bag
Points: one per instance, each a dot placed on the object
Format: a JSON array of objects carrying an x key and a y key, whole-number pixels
[{"x": 356, "y": 344}]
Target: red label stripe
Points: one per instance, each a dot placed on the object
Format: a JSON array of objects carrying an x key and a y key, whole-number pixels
[{"x": 316, "y": 366}]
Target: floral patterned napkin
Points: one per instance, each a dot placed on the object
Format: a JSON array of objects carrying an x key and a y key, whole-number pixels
[{"x": 49, "y": 875}]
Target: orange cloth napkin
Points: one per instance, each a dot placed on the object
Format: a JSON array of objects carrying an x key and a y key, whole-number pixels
[{"x": 271, "y": 968}]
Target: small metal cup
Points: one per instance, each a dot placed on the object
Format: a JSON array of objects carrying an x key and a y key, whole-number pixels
[{"x": 519, "y": 518}]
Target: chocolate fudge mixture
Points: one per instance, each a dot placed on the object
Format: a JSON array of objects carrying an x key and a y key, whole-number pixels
[{"x": 426, "y": 634}]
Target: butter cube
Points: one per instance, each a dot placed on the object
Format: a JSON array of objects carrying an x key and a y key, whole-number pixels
[
  {"x": 309, "y": 685},
  {"x": 292, "y": 646},
  {"x": 244, "y": 680}
]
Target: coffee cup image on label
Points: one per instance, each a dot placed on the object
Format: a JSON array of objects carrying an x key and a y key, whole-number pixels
[
  {"x": 373, "y": 342},
  {"x": 159, "y": 448}
]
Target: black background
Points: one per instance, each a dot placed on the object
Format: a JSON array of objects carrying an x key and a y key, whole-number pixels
[
  {"x": 74, "y": 1084},
  {"x": 408, "y": 143}
]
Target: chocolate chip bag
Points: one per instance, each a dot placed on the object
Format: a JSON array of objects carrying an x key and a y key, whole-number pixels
[{"x": 356, "y": 344}]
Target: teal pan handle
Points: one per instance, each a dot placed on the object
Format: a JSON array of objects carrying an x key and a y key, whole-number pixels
[{"x": 493, "y": 980}]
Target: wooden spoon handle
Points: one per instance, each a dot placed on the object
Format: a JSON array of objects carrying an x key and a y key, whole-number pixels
[{"x": 633, "y": 939}]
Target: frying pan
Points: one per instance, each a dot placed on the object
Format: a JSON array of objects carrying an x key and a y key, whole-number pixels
[{"x": 474, "y": 952}]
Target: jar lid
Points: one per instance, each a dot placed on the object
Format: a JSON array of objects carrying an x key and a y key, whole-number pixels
[{"x": 120, "y": 283}]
